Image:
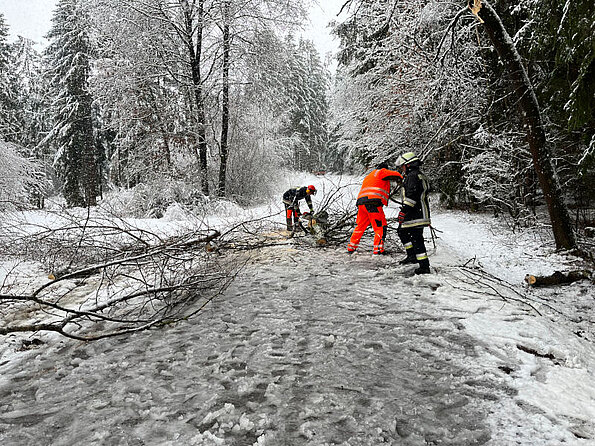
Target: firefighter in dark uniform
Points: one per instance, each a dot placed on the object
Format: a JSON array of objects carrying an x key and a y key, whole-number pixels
[
  {"x": 372, "y": 196},
  {"x": 291, "y": 200},
  {"x": 415, "y": 212}
]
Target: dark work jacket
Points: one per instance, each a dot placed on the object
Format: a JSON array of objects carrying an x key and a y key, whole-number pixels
[
  {"x": 292, "y": 197},
  {"x": 416, "y": 202}
]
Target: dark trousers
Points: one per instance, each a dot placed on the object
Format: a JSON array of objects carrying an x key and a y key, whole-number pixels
[
  {"x": 291, "y": 211},
  {"x": 413, "y": 241}
]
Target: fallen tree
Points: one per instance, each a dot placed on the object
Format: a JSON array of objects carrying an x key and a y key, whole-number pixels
[
  {"x": 557, "y": 278},
  {"x": 104, "y": 278}
]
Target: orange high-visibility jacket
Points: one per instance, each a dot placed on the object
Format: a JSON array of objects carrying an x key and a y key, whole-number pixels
[{"x": 376, "y": 185}]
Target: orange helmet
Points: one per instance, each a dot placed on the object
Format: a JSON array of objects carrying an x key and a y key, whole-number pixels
[{"x": 312, "y": 189}]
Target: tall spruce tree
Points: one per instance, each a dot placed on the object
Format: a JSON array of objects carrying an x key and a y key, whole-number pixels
[
  {"x": 7, "y": 85},
  {"x": 4, "y": 63},
  {"x": 31, "y": 97},
  {"x": 68, "y": 58},
  {"x": 306, "y": 86}
]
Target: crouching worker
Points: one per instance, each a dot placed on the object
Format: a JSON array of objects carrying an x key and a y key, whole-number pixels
[
  {"x": 291, "y": 200},
  {"x": 372, "y": 196},
  {"x": 415, "y": 212}
]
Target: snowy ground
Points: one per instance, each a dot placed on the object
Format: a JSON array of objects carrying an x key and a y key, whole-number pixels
[{"x": 310, "y": 346}]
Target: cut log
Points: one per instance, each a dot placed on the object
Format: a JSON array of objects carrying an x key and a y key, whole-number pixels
[
  {"x": 316, "y": 226},
  {"x": 558, "y": 278}
]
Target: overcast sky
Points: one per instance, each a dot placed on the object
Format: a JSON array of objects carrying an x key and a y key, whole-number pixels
[
  {"x": 32, "y": 19},
  {"x": 28, "y": 18},
  {"x": 318, "y": 32}
]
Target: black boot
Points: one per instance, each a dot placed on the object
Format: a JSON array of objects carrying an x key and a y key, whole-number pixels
[
  {"x": 409, "y": 259},
  {"x": 289, "y": 225},
  {"x": 424, "y": 267}
]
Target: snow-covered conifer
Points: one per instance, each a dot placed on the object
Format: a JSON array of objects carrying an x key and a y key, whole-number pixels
[
  {"x": 32, "y": 97},
  {"x": 8, "y": 106},
  {"x": 305, "y": 125},
  {"x": 69, "y": 69}
]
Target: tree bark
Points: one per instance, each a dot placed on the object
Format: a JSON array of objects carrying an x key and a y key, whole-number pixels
[
  {"x": 195, "y": 53},
  {"x": 89, "y": 171},
  {"x": 224, "y": 100},
  {"x": 557, "y": 278},
  {"x": 536, "y": 138}
]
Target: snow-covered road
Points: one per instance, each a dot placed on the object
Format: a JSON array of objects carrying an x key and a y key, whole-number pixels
[{"x": 311, "y": 347}]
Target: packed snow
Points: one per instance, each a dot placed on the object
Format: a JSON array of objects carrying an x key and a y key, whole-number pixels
[{"x": 310, "y": 346}]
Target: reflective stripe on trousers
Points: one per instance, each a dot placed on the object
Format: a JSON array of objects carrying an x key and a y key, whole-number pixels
[
  {"x": 365, "y": 217},
  {"x": 413, "y": 238}
]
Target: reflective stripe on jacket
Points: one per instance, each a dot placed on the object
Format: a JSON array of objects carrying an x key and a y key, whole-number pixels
[
  {"x": 416, "y": 202},
  {"x": 376, "y": 186}
]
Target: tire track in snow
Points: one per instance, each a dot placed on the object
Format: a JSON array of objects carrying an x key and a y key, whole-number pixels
[
  {"x": 340, "y": 383},
  {"x": 307, "y": 347}
]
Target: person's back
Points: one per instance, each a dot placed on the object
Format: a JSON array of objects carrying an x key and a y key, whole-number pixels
[
  {"x": 414, "y": 215},
  {"x": 376, "y": 186},
  {"x": 372, "y": 196},
  {"x": 292, "y": 194}
]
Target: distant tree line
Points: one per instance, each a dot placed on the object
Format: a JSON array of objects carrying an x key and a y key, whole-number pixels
[
  {"x": 207, "y": 96},
  {"x": 499, "y": 101}
]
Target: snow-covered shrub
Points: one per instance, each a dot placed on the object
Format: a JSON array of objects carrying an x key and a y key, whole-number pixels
[
  {"x": 447, "y": 179},
  {"x": 497, "y": 175},
  {"x": 488, "y": 179},
  {"x": 177, "y": 212},
  {"x": 223, "y": 208},
  {"x": 252, "y": 170},
  {"x": 22, "y": 181},
  {"x": 152, "y": 199}
]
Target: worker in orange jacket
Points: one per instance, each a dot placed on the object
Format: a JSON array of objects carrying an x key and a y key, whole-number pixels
[{"x": 371, "y": 198}]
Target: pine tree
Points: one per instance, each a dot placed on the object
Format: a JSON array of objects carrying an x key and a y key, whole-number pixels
[
  {"x": 8, "y": 107},
  {"x": 69, "y": 69},
  {"x": 306, "y": 84},
  {"x": 317, "y": 106},
  {"x": 31, "y": 97}
]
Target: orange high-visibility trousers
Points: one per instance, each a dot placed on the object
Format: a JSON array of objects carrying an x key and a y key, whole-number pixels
[{"x": 367, "y": 215}]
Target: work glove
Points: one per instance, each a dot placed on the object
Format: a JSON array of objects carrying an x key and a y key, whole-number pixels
[{"x": 401, "y": 217}]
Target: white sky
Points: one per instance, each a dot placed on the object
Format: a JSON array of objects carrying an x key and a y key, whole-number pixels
[
  {"x": 320, "y": 15},
  {"x": 28, "y": 18},
  {"x": 32, "y": 19}
]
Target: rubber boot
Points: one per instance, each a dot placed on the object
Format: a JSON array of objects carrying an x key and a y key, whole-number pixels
[
  {"x": 424, "y": 267},
  {"x": 409, "y": 259},
  {"x": 289, "y": 225}
]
